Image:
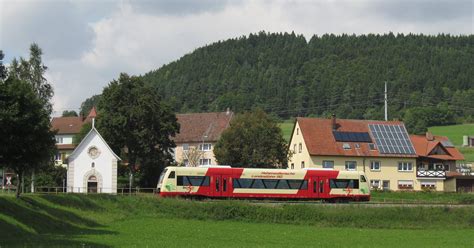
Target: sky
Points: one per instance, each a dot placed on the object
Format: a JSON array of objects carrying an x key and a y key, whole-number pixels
[{"x": 88, "y": 43}]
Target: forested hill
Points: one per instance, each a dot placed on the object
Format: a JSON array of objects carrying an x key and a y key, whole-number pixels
[{"x": 289, "y": 76}]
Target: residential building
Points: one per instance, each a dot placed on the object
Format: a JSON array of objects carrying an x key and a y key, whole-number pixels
[
  {"x": 440, "y": 165},
  {"x": 382, "y": 149},
  {"x": 198, "y": 134},
  {"x": 66, "y": 128}
]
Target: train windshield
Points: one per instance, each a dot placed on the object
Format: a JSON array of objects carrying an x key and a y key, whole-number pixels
[{"x": 162, "y": 176}]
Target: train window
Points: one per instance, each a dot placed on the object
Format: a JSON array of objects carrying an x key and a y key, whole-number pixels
[
  {"x": 283, "y": 184},
  {"x": 217, "y": 184},
  {"x": 343, "y": 183},
  {"x": 224, "y": 184},
  {"x": 192, "y": 181},
  {"x": 304, "y": 185},
  {"x": 172, "y": 174},
  {"x": 294, "y": 184},
  {"x": 270, "y": 183},
  {"x": 258, "y": 184},
  {"x": 206, "y": 182},
  {"x": 314, "y": 187},
  {"x": 321, "y": 186},
  {"x": 242, "y": 183}
]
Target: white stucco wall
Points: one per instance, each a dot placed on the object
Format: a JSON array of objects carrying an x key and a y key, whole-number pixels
[
  {"x": 67, "y": 138},
  {"x": 80, "y": 167}
]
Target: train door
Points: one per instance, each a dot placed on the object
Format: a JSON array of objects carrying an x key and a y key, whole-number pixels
[
  {"x": 319, "y": 187},
  {"x": 222, "y": 186}
]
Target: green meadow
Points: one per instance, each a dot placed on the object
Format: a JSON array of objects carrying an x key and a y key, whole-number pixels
[{"x": 148, "y": 221}]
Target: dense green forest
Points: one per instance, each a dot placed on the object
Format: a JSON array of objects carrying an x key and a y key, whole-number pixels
[{"x": 287, "y": 76}]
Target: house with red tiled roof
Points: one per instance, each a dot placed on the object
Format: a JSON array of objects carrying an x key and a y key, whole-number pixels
[
  {"x": 66, "y": 128},
  {"x": 198, "y": 134},
  {"x": 382, "y": 149},
  {"x": 438, "y": 159}
]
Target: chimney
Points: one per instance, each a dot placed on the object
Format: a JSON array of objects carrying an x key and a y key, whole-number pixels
[
  {"x": 334, "y": 124},
  {"x": 429, "y": 136}
]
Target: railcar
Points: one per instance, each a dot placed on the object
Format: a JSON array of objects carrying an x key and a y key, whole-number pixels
[{"x": 227, "y": 182}]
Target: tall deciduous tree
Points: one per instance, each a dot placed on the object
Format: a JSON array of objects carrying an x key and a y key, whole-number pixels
[
  {"x": 69, "y": 113},
  {"x": 32, "y": 71},
  {"x": 252, "y": 140},
  {"x": 3, "y": 69},
  {"x": 132, "y": 116},
  {"x": 27, "y": 141},
  {"x": 87, "y": 105}
]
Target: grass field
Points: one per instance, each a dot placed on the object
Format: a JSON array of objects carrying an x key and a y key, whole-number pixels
[
  {"x": 453, "y": 132},
  {"x": 141, "y": 221}
]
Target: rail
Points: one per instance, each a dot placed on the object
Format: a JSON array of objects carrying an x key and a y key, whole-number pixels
[{"x": 430, "y": 173}]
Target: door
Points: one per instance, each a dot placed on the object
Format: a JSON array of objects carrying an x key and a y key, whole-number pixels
[
  {"x": 320, "y": 187},
  {"x": 222, "y": 186}
]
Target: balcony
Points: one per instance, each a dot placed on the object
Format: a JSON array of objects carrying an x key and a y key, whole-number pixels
[{"x": 431, "y": 173}]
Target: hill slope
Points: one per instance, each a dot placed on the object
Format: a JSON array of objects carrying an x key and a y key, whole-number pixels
[{"x": 286, "y": 75}]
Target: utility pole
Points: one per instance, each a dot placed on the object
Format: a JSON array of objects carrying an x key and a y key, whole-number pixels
[{"x": 386, "y": 98}]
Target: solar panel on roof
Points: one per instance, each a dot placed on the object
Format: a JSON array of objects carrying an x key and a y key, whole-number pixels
[
  {"x": 352, "y": 136},
  {"x": 391, "y": 139}
]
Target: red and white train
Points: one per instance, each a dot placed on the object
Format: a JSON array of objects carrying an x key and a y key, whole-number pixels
[{"x": 227, "y": 182}]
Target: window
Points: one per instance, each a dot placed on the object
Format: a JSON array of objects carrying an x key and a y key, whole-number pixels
[
  {"x": 204, "y": 161},
  {"x": 245, "y": 183},
  {"x": 428, "y": 185},
  {"x": 57, "y": 157},
  {"x": 344, "y": 183},
  {"x": 205, "y": 147},
  {"x": 357, "y": 145},
  {"x": 297, "y": 131},
  {"x": 294, "y": 148},
  {"x": 372, "y": 146},
  {"x": 59, "y": 140},
  {"x": 186, "y": 162},
  {"x": 185, "y": 147},
  {"x": 302, "y": 164},
  {"x": 405, "y": 166},
  {"x": 375, "y": 184},
  {"x": 292, "y": 165},
  {"x": 351, "y": 165},
  {"x": 386, "y": 184},
  {"x": 405, "y": 184},
  {"x": 301, "y": 148},
  {"x": 192, "y": 181},
  {"x": 375, "y": 165},
  {"x": 346, "y": 146},
  {"x": 328, "y": 164},
  {"x": 172, "y": 174}
]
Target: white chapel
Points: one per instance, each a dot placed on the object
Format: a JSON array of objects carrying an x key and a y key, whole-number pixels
[{"x": 92, "y": 166}]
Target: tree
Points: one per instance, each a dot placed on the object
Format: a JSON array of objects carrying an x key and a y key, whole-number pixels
[
  {"x": 3, "y": 69},
  {"x": 87, "y": 105},
  {"x": 32, "y": 71},
  {"x": 27, "y": 141},
  {"x": 86, "y": 127},
  {"x": 69, "y": 113},
  {"x": 132, "y": 116},
  {"x": 252, "y": 140}
]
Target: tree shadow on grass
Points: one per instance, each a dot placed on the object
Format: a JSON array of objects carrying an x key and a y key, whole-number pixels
[
  {"x": 79, "y": 201},
  {"x": 51, "y": 226}
]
